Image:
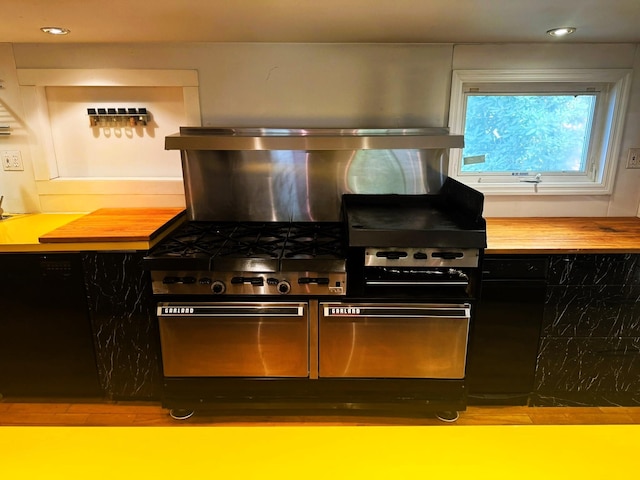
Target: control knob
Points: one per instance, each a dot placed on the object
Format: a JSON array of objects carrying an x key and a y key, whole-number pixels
[
  {"x": 283, "y": 287},
  {"x": 218, "y": 287}
]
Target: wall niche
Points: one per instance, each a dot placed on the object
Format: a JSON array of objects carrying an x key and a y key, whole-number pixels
[{"x": 81, "y": 164}]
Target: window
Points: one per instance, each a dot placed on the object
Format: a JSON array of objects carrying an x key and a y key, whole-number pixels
[{"x": 542, "y": 131}]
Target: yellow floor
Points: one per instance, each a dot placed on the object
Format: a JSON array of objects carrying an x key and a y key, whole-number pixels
[{"x": 469, "y": 452}]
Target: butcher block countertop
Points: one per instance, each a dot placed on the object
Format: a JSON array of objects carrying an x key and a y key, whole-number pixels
[
  {"x": 563, "y": 235},
  {"x": 119, "y": 229},
  {"x": 141, "y": 228},
  {"x": 114, "y": 224}
]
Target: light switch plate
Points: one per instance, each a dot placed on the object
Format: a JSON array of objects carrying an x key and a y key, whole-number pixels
[
  {"x": 633, "y": 161},
  {"x": 11, "y": 160}
]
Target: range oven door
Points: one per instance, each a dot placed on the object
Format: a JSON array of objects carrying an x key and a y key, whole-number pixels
[
  {"x": 370, "y": 340},
  {"x": 243, "y": 339}
]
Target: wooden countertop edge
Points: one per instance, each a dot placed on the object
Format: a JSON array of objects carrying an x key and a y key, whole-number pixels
[
  {"x": 167, "y": 228},
  {"x": 558, "y": 251},
  {"x": 153, "y": 237},
  {"x": 104, "y": 246},
  {"x": 110, "y": 246},
  {"x": 562, "y": 235}
]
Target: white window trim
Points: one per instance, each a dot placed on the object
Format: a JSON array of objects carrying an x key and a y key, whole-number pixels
[{"x": 608, "y": 150}]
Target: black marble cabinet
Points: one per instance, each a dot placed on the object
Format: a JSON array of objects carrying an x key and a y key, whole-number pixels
[
  {"x": 123, "y": 319},
  {"x": 590, "y": 344},
  {"x": 589, "y": 351}
]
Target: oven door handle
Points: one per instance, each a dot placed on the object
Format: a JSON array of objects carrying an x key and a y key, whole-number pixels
[
  {"x": 375, "y": 311},
  {"x": 206, "y": 310},
  {"x": 389, "y": 283}
]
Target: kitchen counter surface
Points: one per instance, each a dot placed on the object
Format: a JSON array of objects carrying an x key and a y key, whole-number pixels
[
  {"x": 563, "y": 235},
  {"x": 141, "y": 228},
  {"x": 121, "y": 229}
]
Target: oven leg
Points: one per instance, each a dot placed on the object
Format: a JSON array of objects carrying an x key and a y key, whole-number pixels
[
  {"x": 180, "y": 413},
  {"x": 448, "y": 416}
]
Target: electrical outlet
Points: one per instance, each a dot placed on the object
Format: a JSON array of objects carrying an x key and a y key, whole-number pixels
[
  {"x": 633, "y": 161},
  {"x": 11, "y": 160}
]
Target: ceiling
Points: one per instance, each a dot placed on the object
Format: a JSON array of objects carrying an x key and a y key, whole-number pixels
[{"x": 310, "y": 21}]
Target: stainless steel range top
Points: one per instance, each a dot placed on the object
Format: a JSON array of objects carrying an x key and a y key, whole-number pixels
[
  {"x": 267, "y": 210},
  {"x": 250, "y": 258}
]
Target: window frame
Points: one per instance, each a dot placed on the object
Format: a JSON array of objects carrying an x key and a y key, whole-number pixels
[{"x": 612, "y": 86}]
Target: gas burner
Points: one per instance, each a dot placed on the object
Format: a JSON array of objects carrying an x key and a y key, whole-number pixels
[
  {"x": 192, "y": 239},
  {"x": 313, "y": 240},
  {"x": 253, "y": 240}
]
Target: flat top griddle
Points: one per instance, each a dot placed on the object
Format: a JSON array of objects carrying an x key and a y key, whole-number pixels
[{"x": 451, "y": 218}]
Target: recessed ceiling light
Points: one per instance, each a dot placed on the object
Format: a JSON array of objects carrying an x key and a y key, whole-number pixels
[
  {"x": 55, "y": 30},
  {"x": 561, "y": 31}
]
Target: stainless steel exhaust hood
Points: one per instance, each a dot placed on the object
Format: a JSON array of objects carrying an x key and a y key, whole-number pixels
[
  {"x": 265, "y": 174},
  {"x": 206, "y": 138}
]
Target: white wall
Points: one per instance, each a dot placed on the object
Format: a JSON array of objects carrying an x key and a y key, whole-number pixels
[
  {"x": 18, "y": 188},
  {"x": 286, "y": 84},
  {"x": 349, "y": 85},
  {"x": 133, "y": 151}
]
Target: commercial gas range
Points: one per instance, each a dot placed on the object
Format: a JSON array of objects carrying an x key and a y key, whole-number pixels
[
  {"x": 251, "y": 258},
  {"x": 284, "y": 301}
]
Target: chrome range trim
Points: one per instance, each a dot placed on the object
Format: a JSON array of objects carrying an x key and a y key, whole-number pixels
[
  {"x": 415, "y": 283},
  {"x": 376, "y": 310},
  {"x": 250, "y": 309},
  {"x": 248, "y": 283},
  {"x": 421, "y": 257}
]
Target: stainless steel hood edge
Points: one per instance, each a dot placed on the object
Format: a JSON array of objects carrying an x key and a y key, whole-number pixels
[{"x": 205, "y": 138}]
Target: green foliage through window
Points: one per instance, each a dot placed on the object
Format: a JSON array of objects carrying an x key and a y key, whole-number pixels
[{"x": 527, "y": 133}]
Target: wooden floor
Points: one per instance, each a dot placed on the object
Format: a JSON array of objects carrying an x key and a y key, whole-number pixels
[{"x": 101, "y": 413}]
